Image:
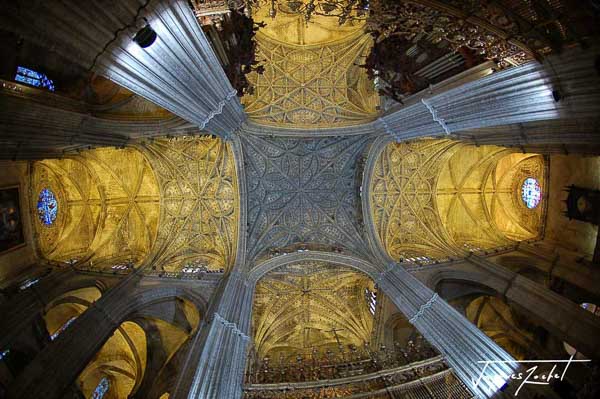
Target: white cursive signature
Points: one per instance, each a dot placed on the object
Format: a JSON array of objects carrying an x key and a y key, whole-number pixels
[{"x": 530, "y": 376}]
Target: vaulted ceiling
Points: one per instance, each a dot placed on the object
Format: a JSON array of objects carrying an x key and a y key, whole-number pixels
[
  {"x": 303, "y": 191},
  {"x": 310, "y": 306}
]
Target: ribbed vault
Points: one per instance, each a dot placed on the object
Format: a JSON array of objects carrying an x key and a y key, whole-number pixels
[
  {"x": 108, "y": 207},
  {"x": 312, "y": 75},
  {"x": 171, "y": 203},
  {"x": 310, "y": 306},
  {"x": 200, "y": 202},
  {"x": 436, "y": 198},
  {"x": 303, "y": 191}
]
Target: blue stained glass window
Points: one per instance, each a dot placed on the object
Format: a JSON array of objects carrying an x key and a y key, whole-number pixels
[
  {"x": 101, "y": 389},
  {"x": 47, "y": 206},
  {"x": 33, "y": 78},
  {"x": 531, "y": 192}
]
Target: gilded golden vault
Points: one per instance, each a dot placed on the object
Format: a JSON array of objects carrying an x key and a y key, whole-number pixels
[
  {"x": 308, "y": 307},
  {"x": 170, "y": 202},
  {"x": 312, "y": 76},
  {"x": 436, "y": 198}
]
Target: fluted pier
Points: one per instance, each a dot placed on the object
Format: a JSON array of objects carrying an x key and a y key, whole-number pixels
[
  {"x": 463, "y": 345},
  {"x": 565, "y": 86},
  {"x": 179, "y": 72},
  {"x": 215, "y": 366}
]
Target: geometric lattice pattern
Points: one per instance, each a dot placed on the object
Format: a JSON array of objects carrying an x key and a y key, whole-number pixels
[
  {"x": 307, "y": 307},
  {"x": 302, "y": 191},
  {"x": 402, "y": 197},
  {"x": 312, "y": 86},
  {"x": 200, "y": 202},
  {"x": 109, "y": 207},
  {"x": 437, "y": 198}
]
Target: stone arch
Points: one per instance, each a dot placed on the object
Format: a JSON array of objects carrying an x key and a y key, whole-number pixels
[
  {"x": 373, "y": 239},
  {"x": 338, "y": 259},
  {"x": 544, "y": 311},
  {"x": 139, "y": 300}
]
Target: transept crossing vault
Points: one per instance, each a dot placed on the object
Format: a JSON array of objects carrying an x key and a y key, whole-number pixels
[{"x": 334, "y": 197}]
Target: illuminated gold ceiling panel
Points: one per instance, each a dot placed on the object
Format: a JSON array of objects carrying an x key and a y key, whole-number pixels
[
  {"x": 199, "y": 203},
  {"x": 108, "y": 207},
  {"x": 110, "y": 203},
  {"x": 291, "y": 27},
  {"x": 310, "y": 306},
  {"x": 436, "y": 198},
  {"x": 312, "y": 77}
]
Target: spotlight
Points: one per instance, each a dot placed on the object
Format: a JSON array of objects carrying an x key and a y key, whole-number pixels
[{"x": 145, "y": 36}]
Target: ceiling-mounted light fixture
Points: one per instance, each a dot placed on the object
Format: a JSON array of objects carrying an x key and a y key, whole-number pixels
[{"x": 145, "y": 36}]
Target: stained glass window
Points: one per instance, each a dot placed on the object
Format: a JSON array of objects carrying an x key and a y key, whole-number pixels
[
  {"x": 371, "y": 298},
  {"x": 101, "y": 389},
  {"x": 62, "y": 328},
  {"x": 531, "y": 192},
  {"x": 47, "y": 207},
  {"x": 33, "y": 78}
]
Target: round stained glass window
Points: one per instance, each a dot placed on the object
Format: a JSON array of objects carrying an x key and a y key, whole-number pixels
[
  {"x": 531, "y": 192},
  {"x": 47, "y": 207}
]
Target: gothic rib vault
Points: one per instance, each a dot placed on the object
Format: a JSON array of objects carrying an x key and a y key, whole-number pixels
[
  {"x": 177, "y": 208},
  {"x": 303, "y": 191},
  {"x": 312, "y": 76}
]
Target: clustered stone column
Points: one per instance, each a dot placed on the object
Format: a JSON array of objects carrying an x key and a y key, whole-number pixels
[
  {"x": 565, "y": 86},
  {"x": 179, "y": 71},
  {"x": 37, "y": 130},
  {"x": 462, "y": 344},
  {"x": 215, "y": 365}
]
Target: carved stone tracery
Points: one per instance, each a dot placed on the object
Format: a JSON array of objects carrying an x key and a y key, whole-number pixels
[
  {"x": 297, "y": 308},
  {"x": 302, "y": 191},
  {"x": 200, "y": 203}
]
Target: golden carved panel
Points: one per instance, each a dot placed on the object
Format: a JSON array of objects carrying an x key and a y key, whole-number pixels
[
  {"x": 436, "y": 198},
  {"x": 199, "y": 203},
  {"x": 402, "y": 195},
  {"x": 312, "y": 86},
  {"x": 298, "y": 307},
  {"x": 108, "y": 207},
  {"x": 291, "y": 27}
]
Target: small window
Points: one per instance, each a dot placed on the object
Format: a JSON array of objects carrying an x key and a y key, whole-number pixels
[
  {"x": 33, "y": 78},
  {"x": 371, "y": 298},
  {"x": 47, "y": 207},
  {"x": 62, "y": 328},
  {"x": 28, "y": 283},
  {"x": 101, "y": 388},
  {"x": 531, "y": 193}
]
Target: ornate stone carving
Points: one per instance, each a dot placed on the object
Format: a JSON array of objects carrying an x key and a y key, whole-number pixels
[
  {"x": 297, "y": 308},
  {"x": 436, "y": 198},
  {"x": 108, "y": 207},
  {"x": 302, "y": 191},
  {"x": 312, "y": 86},
  {"x": 402, "y": 196},
  {"x": 200, "y": 202}
]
